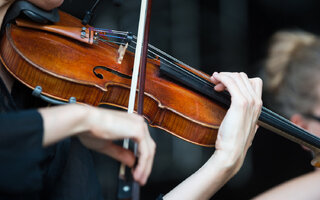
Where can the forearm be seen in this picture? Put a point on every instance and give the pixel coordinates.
(204, 183)
(63, 121)
(300, 188)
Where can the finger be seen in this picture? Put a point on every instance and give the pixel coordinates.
(254, 91)
(119, 153)
(152, 147)
(218, 85)
(248, 85)
(230, 84)
(121, 125)
(138, 172)
(248, 93)
(213, 79)
(257, 86)
(241, 80)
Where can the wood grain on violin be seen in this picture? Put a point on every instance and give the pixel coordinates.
(177, 98)
(66, 68)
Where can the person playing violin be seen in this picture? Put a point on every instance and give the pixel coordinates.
(44, 151)
(291, 73)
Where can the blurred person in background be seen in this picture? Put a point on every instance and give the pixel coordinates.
(292, 84)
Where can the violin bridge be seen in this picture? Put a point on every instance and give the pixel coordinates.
(121, 51)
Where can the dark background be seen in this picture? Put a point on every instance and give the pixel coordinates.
(225, 35)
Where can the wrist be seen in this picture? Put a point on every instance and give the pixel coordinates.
(83, 114)
(225, 161)
(63, 121)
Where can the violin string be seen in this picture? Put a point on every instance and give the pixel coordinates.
(100, 30)
(167, 60)
(112, 36)
(156, 52)
(134, 41)
(110, 31)
(171, 57)
(153, 56)
(177, 66)
(121, 43)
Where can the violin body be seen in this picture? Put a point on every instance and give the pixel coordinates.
(66, 68)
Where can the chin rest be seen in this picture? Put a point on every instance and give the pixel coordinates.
(30, 11)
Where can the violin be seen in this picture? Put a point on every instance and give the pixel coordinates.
(67, 60)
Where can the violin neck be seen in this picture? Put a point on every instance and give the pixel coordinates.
(267, 119)
(278, 124)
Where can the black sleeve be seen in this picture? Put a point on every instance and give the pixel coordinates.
(21, 151)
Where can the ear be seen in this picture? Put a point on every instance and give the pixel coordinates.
(299, 121)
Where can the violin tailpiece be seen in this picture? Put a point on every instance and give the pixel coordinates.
(76, 33)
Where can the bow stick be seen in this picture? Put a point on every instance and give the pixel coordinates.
(139, 59)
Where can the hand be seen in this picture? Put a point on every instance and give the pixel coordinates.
(96, 128)
(106, 125)
(238, 128)
(235, 135)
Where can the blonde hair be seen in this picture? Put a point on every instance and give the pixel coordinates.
(292, 72)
